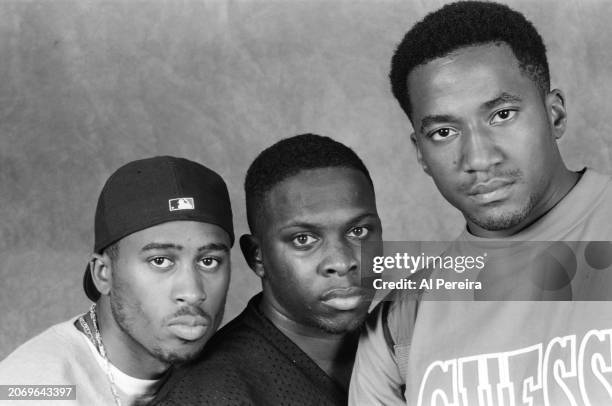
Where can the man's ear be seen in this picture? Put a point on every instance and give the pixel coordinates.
(555, 107)
(100, 266)
(415, 142)
(252, 253)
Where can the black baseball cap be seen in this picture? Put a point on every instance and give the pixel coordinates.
(152, 191)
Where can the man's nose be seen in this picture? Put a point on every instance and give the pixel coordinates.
(479, 151)
(188, 285)
(341, 257)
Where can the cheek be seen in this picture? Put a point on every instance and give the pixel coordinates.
(293, 277)
(441, 161)
(445, 175)
(125, 289)
(532, 154)
(216, 289)
(140, 297)
(277, 260)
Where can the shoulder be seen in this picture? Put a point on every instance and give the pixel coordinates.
(594, 185)
(238, 340)
(596, 191)
(603, 182)
(394, 318)
(244, 364)
(46, 357)
(209, 382)
(225, 373)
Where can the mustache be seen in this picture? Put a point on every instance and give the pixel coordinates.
(513, 175)
(190, 311)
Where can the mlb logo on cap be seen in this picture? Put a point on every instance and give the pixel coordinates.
(181, 203)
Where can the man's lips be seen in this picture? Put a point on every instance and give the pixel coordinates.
(491, 190)
(189, 328)
(344, 298)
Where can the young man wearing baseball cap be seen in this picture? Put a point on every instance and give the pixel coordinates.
(158, 278)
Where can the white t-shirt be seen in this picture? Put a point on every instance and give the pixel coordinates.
(501, 352)
(62, 355)
(130, 389)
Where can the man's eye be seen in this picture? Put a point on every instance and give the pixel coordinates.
(161, 262)
(358, 232)
(209, 262)
(443, 134)
(303, 240)
(503, 115)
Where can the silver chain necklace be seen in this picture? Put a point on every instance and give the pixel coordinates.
(97, 340)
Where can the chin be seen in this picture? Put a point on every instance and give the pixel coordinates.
(181, 354)
(497, 223)
(343, 324)
(496, 216)
(179, 357)
(504, 215)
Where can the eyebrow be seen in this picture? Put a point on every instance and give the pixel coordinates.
(363, 217)
(164, 246)
(304, 224)
(434, 119)
(503, 98)
(160, 246)
(213, 246)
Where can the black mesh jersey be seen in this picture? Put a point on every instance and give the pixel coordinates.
(250, 362)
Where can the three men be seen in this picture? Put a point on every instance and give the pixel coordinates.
(158, 276)
(473, 79)
(310, 207)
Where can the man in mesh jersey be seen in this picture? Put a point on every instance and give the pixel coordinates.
(310, 206)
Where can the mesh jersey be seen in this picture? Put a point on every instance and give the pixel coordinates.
(250, 362)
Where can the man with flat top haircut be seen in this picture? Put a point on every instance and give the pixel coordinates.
(473, 79)
(310, 207)
(158, 278)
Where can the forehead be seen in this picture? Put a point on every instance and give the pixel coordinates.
(180, 233)
(474, 72)
(316, 195)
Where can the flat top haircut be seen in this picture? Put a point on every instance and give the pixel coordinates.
(464, 24)
(287, 158)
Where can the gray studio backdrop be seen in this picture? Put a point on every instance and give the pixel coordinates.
(86, 86)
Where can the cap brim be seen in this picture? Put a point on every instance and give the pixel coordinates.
(90, 288)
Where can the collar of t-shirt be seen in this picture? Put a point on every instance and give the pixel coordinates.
(128, 385)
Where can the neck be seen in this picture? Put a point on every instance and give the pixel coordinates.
(559, 187)
(122, 350)
(333, 353)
